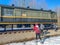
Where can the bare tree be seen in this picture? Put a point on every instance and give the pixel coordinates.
(43, 4)
(30, 3)
(58, 14)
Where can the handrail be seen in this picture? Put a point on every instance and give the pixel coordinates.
(26, 17)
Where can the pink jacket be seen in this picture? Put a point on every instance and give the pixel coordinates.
(36, 29)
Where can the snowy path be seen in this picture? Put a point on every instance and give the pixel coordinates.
(48, 41)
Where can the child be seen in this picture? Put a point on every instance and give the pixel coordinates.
(37, 31)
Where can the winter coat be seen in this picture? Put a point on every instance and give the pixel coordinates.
(41, 26)
(54, 26)
(36, 29)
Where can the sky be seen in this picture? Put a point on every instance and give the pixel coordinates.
(45, 4)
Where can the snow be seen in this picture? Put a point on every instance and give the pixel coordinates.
(47, 41)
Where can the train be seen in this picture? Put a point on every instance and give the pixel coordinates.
(14, 18)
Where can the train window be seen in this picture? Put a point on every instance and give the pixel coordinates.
(23, 25)
(19, 25)
(18, 12)
(47, 25)
(27, 25)
(7, 12)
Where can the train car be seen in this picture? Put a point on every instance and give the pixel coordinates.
(16, 18)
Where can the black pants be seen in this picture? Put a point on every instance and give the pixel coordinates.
(38, 36)
(42, 32)
(56, 29)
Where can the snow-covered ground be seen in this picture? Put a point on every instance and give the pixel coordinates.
(47, 41)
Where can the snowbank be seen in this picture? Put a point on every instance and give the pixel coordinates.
(47, 41)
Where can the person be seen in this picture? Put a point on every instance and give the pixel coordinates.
(41, 28)
(55, 27)
(37, 31)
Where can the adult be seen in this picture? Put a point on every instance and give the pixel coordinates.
(55, 27)
(41, 28)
